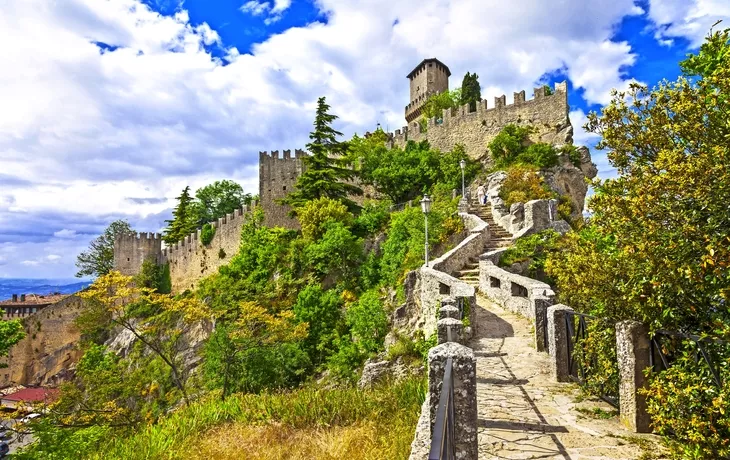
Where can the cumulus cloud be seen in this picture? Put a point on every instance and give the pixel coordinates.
(110, 108)
(273, 12)
(689, 19)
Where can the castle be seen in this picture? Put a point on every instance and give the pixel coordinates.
(190, 260)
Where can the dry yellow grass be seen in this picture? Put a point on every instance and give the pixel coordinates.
(362, 440)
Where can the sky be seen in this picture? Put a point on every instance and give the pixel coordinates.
(109, 108)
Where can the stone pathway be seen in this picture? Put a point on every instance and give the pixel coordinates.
(523, 414)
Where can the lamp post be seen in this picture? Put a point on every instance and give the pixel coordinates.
(462, 163)
(426, 208)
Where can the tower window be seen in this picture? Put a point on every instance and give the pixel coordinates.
(284, 187)
(127, 259)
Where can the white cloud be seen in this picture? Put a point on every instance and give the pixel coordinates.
(689, 19)
(53, 257)
(65, 233)
(578, 118)
(108, 104)
(273, 12)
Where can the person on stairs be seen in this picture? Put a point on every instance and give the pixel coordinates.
(480, 193)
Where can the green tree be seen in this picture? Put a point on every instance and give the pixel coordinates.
(326, 171)
(184, 219)
(437, 103)
(98, 260)
(657, 247)
(315, 214)
(471, 91)
(218, 199)
(11, 332)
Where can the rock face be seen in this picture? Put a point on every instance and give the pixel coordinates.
(376, 371)
(526, 218)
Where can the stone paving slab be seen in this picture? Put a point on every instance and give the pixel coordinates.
(525, 415)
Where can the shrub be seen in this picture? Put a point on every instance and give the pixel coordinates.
(523, 184)
(315, 215)
(541, 155)
(686, 404)
(509, 143)
(573, 154)
(207, 234)
(535, 248)
(368, 322)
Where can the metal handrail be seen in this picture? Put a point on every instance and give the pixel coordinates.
(443, 443)
(573, 336)
(664, 362)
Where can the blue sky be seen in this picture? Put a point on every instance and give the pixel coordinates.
(111, 107)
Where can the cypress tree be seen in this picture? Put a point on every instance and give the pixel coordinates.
(326, 171)
(184, 219)
(471, 91)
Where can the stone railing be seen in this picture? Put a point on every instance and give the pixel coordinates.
(633, 356)
(470, 247)
(451, 339)
(437, 286)
(519, 294)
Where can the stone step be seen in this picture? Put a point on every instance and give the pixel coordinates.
(468, 271)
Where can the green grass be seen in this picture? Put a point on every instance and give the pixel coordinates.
(306, 408)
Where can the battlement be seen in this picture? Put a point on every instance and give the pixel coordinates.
(191, 242)
(476, 125)
(274, 155)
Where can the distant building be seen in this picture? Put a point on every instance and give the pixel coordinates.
(27, 304)
(28, 397)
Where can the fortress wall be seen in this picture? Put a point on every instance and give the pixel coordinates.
(190, 260)
(44, 356)
(547, 114)
(277, 178)
(131, 250)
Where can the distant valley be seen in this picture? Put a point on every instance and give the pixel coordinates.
(10, 286)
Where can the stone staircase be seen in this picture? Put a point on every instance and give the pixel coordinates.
(500, 238)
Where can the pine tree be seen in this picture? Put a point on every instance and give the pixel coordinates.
(184, 219)
(471, 91)
(326, 170)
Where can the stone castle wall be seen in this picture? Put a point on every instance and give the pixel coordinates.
(190, 260)
(49, 348)
(131, 250)
(548, 114)
(277, 178)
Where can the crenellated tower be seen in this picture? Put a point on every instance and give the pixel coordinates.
(131, 250)
(277, 178)
(429, 77)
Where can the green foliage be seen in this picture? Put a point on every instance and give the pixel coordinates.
(206, 234)
(656, 249)
(98, 260)
(372, 219)
(322, 310)
(337, 254)
(548, 90)
(523, 184)
(686, 404)
(218, 199)
(534, 248)
(471, 91)
(154, 276)
(11, 332)
(368, 322)
(509, 142)
(316, 214)
(597, 357)
(405, 174)
(512, 145)
(184, 219)
(437, 103)
(326, 172)
(573, 154)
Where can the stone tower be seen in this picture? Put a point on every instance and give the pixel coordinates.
(429, 77)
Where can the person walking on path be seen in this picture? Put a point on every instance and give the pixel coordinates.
(480, 194)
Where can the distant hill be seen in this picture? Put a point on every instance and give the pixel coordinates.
(10, 286)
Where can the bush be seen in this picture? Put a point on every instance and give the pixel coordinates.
(368, 322)
(316, 214)
(509, 143)
(541, 155)
(534, 248)
(207, 234)
(573, 153)
(686, 404)
(523, 184)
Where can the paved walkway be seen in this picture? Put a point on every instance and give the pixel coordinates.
(523, 414)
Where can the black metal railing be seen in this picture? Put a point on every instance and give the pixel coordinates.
(666, 346)
(442, 442)
(577, 332)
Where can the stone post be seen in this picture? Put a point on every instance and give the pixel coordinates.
(455, 326)
(463, 205)
(557, 342)
(448, 311)
(632, 350)
(541, 305)
(464, 374)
